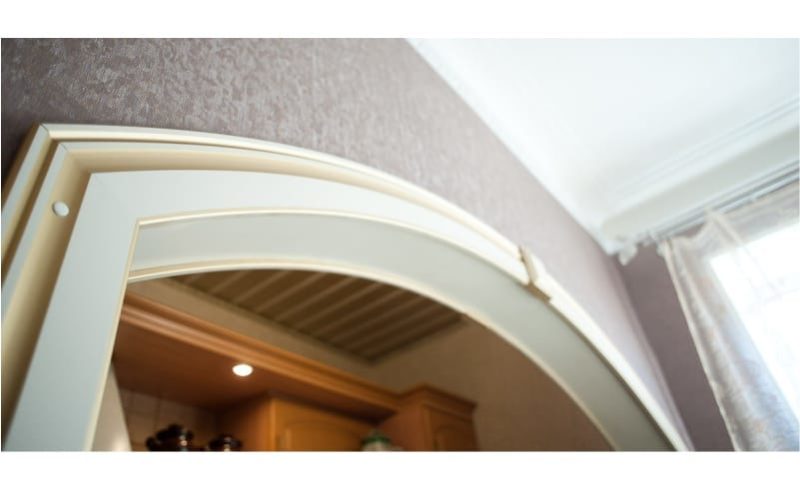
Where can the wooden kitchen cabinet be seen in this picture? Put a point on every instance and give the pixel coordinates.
(450, 432)
(427, 419)
(268, 423)
(432, 420)
(289, 402)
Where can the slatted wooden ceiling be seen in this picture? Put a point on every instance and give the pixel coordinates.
(364, 318)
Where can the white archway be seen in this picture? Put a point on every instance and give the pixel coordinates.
(146, 203)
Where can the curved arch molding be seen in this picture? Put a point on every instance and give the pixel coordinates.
(147, 203)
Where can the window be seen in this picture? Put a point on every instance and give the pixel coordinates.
(738, 280)
(762, 280)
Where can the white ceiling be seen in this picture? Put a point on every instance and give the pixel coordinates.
(611, 126)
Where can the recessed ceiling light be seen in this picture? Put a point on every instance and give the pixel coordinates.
(242, 370)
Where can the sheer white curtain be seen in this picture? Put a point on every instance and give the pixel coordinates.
(738, 280)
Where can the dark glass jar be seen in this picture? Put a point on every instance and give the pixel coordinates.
(175, 438)
(224, 443)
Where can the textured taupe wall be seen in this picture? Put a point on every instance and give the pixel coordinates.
(373, 101)
(519, 406)
(659, 310)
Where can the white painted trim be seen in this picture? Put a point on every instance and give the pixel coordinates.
(24, 177)
(463, 267)
(68, 132)
(701, 157)
(61, 397)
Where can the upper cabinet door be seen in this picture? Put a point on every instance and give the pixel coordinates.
(299, 427)
(450, 432)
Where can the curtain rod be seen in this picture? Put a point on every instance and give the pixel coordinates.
(733, 199)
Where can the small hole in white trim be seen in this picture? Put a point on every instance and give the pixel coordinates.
(61, 209)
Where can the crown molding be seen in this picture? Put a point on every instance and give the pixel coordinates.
(711, 152)
(735, 178)
(694, 176)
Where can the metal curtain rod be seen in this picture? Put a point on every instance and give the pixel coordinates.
(729, 201)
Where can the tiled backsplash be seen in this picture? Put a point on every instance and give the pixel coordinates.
(146, 414)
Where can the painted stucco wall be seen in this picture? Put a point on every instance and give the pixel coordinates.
(372, 101)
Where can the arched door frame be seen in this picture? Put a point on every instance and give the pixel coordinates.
(90, 208)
